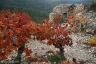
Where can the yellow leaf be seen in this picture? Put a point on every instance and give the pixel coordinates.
(83, 21)
(92, 41)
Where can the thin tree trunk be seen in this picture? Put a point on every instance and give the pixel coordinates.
(62, 52)
(61, 49)
(18, 58)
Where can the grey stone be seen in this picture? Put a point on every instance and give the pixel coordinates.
(65, 9)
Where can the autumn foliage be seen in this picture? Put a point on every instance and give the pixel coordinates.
(16, 28)
(14, 31)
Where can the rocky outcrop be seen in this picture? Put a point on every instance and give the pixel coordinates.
(90, 22)
(65, 9)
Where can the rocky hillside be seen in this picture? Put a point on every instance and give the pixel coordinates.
(79, 50)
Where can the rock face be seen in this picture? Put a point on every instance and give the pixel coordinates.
(62, 8)
(91, 22)
(66, 9)
(78, 50)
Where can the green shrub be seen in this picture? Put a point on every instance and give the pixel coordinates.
(55, 58)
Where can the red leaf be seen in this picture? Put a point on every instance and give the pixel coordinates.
(27, 54)
(65, 33)
(45, 60)
(50, 42)
(10, 33)
(27, 51)
(18, 30)
(4, 58)
(7, 53)
(30, 59)
(1, 23)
